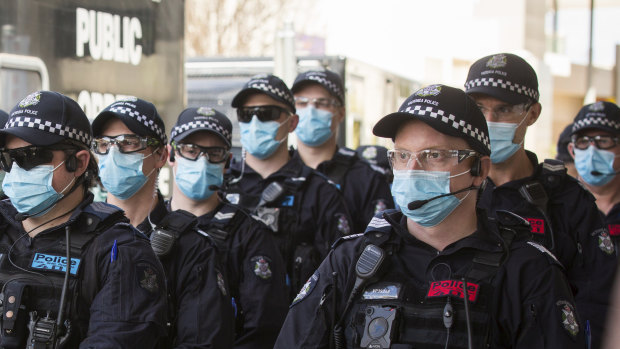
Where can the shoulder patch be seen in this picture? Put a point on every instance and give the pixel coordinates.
(149, 279)
(261, 267)
(568, 317)
(604, 241)
(221, 284)
(307, 288)
(343, 224)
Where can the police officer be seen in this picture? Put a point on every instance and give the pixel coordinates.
(594, 145)
(199, 152)
(130, 142)
(562, 152)
(562, 215)
(423, 276)
(305, 212)
(319, 100)
(111, 294)
(4, 117)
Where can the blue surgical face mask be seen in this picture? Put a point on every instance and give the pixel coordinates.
(598, 160)
(314, 126)
(31, 192)
(412, 185)
(121, 174)
(259, 138)
(501, 135)
(195, 177)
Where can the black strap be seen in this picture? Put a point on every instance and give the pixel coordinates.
(178, 222)
(340, 165)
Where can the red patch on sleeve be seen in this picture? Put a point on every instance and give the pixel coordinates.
(537, 225)
(452, 288)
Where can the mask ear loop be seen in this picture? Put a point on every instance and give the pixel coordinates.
(519, 124)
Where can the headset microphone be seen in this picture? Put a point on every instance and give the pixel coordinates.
(597, 173)
(414, 205)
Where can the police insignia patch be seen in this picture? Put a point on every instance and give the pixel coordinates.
(233, 198)
(497, 61)
(261, 267)
(567, 315)
(149, 280)
(343, 224)
(604, 242)
(307, 288)
(220, 282)
(31, 99)
(380, 206)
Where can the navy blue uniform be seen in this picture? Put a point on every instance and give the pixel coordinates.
(527, 303)
(200, 300)
(117, 285)
(306, 218)
(256, 273)
(366, 191)
(581, 241)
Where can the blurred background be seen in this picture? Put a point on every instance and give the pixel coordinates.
(200, 52)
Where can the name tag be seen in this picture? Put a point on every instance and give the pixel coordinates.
(452, 288)
(56, 263)
(382, 291)
(537, 225)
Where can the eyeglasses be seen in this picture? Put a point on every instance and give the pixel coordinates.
(428, 159)
(192, 152)
(263, 113)
(125, 143)
(30, 156)
(302, 102)
(506, 112)
(600, 141)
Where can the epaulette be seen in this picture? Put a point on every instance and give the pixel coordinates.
(546, 252)
(511, 219)
(553, 171)
(346, 238)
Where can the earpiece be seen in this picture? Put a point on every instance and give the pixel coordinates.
(71, 163)
(230, 156)
(171, 154)
(476, 167)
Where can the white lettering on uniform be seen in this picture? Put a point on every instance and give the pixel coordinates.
(109, 37)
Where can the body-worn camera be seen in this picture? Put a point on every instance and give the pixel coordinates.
(379, 327)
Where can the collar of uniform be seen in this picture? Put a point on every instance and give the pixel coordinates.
(204, 220)
(157, 214)
(481, 239)
(614, 214)
(8, 211)
(518, 182)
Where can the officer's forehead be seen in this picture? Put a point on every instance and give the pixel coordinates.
(416, 135)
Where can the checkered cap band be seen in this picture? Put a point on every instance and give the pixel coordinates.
(506, 85)
(450, 120)
(201, 124)
(51, 127)
(332, 87)
(595, 121)
(145, 120)
(286, 95)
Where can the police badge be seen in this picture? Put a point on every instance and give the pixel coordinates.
(261, 267)
(497, 61)
(31, 99)
(568, 317)
(604, 242)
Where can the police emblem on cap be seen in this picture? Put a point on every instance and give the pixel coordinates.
(380, 206)
(261, 267)
(307, 288)
(31, 99)
(497, 61)
(205, 111)
(569, 320)
(128, 99)
(220, 283)
(432, 90)
(598, 106)
(370, 153)
(604, 243)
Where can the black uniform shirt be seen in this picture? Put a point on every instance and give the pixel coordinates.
(582, 242)
(366, 191)
(256, 274)
(198, 288)
(531, 306)
(612, 219)
(319, 209)
(121, 299)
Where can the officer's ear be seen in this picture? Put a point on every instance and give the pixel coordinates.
(571, 149)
